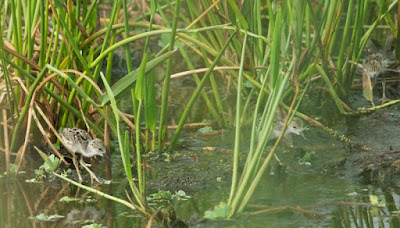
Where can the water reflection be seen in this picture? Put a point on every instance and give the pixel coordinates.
(22, 202)
(291, 202)
(299, 196)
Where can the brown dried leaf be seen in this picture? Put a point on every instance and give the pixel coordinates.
(367, 87)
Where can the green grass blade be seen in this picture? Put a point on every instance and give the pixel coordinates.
(164, 103)
(126, 82)
(197, 91)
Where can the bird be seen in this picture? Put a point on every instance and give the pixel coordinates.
(376, 63)
(79, 141)
(295, 127)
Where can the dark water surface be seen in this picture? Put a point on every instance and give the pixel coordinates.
(320, 193)
(305, 200)
(302, 196)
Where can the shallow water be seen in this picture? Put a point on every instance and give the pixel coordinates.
(300, 201)
(317, 194)
(302, 196)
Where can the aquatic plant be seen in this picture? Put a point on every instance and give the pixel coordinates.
(264, 54)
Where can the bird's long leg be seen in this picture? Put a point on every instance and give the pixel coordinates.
(92, 175)
(384, 99)
(77, 167)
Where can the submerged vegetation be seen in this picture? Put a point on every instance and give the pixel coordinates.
(57, 60)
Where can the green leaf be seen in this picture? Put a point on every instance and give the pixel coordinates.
(140, 84)
(13, 169)
(207, 129)
(111, 97)
(238, 15)
(127, 81)
(45, 218)
(220, 212)
(127, 157)
(69, 199)
(50, 163)
(306, 159)
(58, 3)
(373, 199)
(150, 104)
(181, 195)
(33, 180)
(153, 6)
(248, 84)
(93, 226)
(160, 196)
